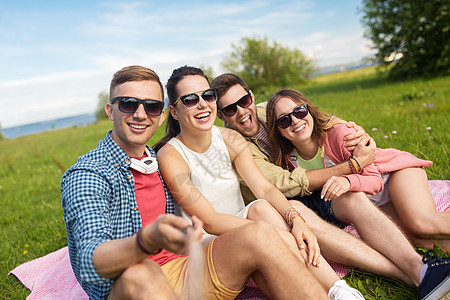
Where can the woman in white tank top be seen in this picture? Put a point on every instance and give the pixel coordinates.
(198, 162)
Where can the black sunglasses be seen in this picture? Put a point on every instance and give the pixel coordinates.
(191, 100)
(230, 110)
(130, 104)
(299, 112)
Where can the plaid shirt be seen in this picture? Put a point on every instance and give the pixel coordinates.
(99, 205)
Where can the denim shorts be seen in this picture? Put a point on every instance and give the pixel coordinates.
(322, 208)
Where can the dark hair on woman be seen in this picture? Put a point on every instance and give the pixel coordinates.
(172, 125)
(281, 145)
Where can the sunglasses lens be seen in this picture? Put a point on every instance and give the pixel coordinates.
(190, 100)
(154, 108)
(230, 110)
(245, 101)
(300, 112)
(210, 95)
(128, 105)
(284, 121)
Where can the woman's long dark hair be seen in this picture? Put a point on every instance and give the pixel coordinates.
(172, 125)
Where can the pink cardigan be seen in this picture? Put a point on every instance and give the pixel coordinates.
(369, 180)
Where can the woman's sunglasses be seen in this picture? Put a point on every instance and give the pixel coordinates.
(230, 110)
(299, 112)
(130, 104)
(191, 100)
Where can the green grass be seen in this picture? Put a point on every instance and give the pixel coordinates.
(31, 166)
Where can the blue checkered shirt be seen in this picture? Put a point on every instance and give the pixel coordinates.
(99, 205)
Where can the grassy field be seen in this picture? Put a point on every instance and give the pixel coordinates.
(31, 167)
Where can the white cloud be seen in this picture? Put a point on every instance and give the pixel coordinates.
(330, 49)
(162, 36)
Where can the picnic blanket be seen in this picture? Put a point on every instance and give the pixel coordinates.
(51, 276)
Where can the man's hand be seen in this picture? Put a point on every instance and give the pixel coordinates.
(354, 138)
(334, 187)
(169, 232)
(365, 152)
(303, 234)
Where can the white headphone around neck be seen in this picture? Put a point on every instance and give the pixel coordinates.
(147, 165)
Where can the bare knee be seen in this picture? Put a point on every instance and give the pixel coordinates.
(140, 281)
(260, 210)
(421, 226)
(354, 200)
(352, 205)
(260, 235)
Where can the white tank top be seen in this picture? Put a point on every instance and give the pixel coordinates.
(213, 174)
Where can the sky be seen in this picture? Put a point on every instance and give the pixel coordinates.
(56, 57)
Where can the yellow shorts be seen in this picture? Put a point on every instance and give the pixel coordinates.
(176, 272)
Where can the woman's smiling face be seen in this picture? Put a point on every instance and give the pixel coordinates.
(300, 130)
(203, 115)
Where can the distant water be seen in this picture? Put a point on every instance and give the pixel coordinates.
(80, 120)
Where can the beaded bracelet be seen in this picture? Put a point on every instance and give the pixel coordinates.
(141, 244)
(287, 212)
(291, 220)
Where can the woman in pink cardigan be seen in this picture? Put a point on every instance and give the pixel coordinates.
(396, 182)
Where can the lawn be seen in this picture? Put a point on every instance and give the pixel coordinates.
(408, 115)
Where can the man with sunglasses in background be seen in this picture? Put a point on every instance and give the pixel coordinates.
(118, 212)
(386, 250)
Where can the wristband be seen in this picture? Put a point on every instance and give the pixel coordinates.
(350, 166)
(287, 213)
(291, 219)
(359, 166)
(355, 164)
(141, 244)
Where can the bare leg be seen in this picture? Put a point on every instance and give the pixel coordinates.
(258, 247)
(340, 246)
(142, 281)
(262, 210)
(426, 243)
(415, 207)
(378, 231)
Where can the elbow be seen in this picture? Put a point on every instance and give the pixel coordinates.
(209, 225)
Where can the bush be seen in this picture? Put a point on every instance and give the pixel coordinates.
(261, 63)
(100, 113)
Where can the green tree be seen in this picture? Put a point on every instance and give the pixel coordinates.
(103, 98)
(1, 133)
(416, 32)
(208, 71)
(262, 63)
